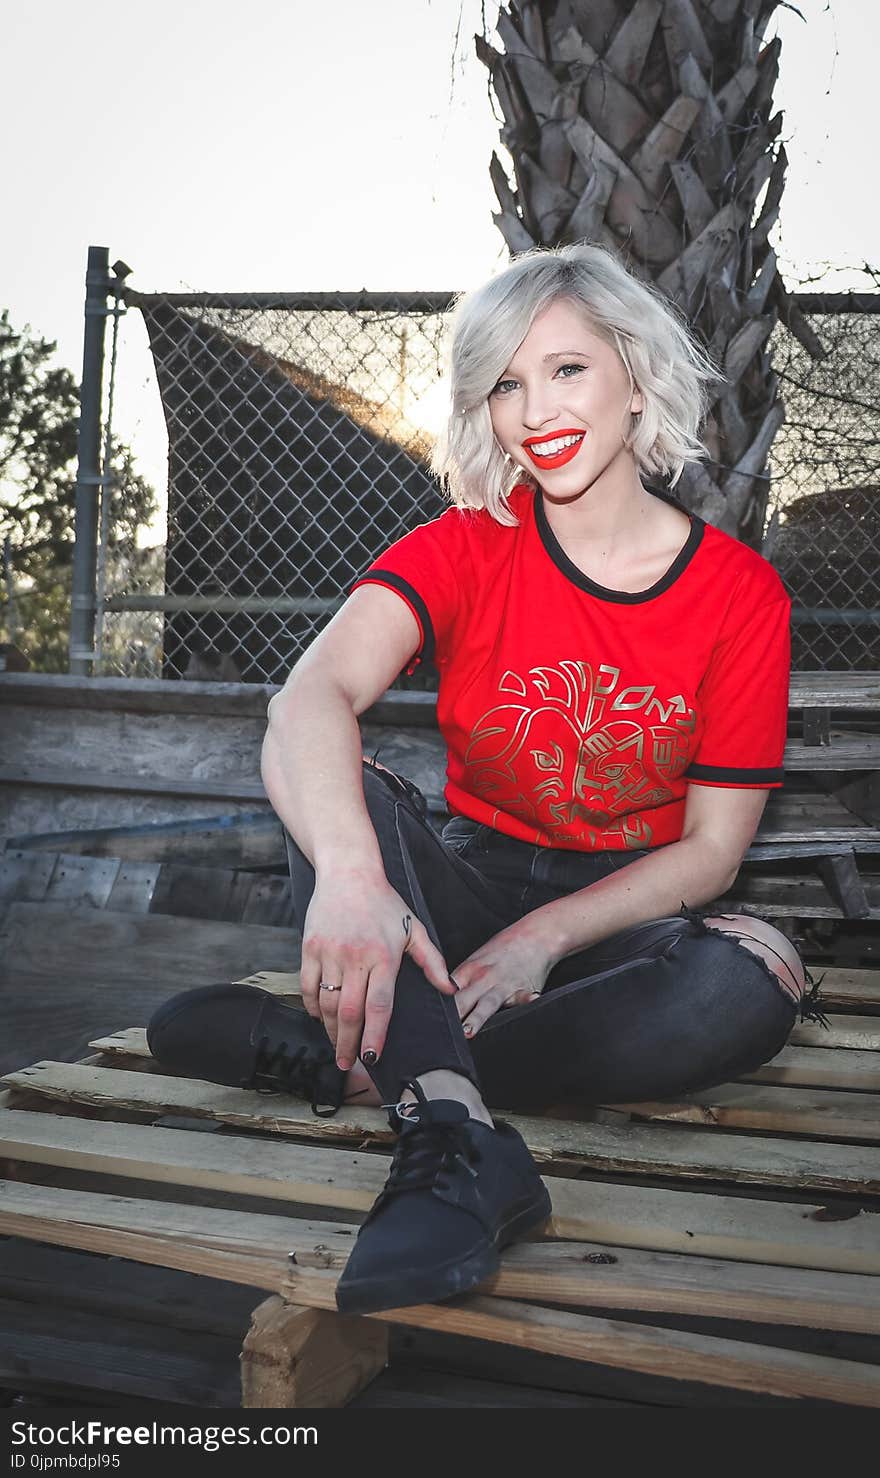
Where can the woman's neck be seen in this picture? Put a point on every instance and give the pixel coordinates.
(608, 517)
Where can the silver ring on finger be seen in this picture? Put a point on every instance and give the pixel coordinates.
(325, 986)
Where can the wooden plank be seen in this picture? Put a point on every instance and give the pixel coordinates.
(657, 1150)
(819, 833)
(789, 898)
(817, 726)
(547, 1140)
(257, 1249)
(82, 880)
(287, 983)
(578, 1274)
(778, 1110)
(844, 752)
(24, 876)
(202, 892)
(56, 1278)
(848, 987)
(583, 1275)
(270, 901)
(223, 894)
(699, 1358)
(252, 840)
(295, 1356)
(134, 887)
(184, 1235)
(856, 690)
(866, 846)
(840, 874)
(813, 1067)
(155, 1094)
(117, 948)
(859, 1032)
(118, 1356)
(131, 783)
(67, 972)
(315, 1175)
(136, 695)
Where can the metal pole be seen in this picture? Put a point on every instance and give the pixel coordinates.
(88, 475)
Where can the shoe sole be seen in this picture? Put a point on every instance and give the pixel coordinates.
(371, 1295)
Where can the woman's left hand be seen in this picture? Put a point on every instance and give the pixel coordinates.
(510, 969)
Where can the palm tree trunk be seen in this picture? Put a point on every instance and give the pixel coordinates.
(647, 127)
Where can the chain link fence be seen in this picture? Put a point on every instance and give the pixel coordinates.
(299, 429)
(823, 527)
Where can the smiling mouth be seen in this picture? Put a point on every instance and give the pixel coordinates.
(555, 451)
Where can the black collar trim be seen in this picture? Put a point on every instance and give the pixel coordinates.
(621, 597)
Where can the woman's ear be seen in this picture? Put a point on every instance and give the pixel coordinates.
(637, 404)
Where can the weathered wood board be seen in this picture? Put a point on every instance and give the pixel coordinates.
(64, 972)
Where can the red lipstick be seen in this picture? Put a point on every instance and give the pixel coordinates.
(533, 446)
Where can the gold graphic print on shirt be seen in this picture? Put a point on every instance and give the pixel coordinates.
(568, 752)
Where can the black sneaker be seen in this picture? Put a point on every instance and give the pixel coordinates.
(245, 1037)
(458, 1191)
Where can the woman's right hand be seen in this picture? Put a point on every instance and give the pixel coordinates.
(357, 929)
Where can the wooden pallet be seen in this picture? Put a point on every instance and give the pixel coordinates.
(728, 1243)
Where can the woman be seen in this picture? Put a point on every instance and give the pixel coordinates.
(613, 696)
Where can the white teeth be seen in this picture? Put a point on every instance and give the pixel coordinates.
(550, 448)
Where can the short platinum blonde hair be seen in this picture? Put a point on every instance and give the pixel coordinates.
(661, 358)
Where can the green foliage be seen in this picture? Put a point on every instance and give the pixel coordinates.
(39, 409)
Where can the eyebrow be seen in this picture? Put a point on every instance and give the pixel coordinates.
(558, 354)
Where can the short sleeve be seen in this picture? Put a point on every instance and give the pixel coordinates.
(743, 700)
(421, 567)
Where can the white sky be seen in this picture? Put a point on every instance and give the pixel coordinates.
(284, 145)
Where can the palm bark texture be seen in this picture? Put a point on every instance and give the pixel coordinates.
(648, 127)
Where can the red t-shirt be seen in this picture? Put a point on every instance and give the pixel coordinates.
(576, 716)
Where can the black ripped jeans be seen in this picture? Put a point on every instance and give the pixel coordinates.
(657, 1010)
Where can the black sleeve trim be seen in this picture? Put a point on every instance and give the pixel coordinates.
(724, 776)
(403, 587)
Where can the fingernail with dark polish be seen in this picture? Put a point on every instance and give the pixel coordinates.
(368, 1058)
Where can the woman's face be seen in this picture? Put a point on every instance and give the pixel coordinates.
(561, 409)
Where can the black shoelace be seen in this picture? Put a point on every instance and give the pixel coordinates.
(296, 1071)
(423, 1156)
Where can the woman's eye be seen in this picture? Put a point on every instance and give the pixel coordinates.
(504, 386)
(564, 368)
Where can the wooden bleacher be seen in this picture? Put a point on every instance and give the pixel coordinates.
(722, 1249)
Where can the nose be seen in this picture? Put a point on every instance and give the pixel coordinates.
(539, 405)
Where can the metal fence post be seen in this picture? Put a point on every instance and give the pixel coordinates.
(88, 475)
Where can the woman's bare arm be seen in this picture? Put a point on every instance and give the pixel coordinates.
(357, 927)
(312, 751)
(311, 766)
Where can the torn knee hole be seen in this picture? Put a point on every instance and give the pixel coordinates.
(791, 976)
